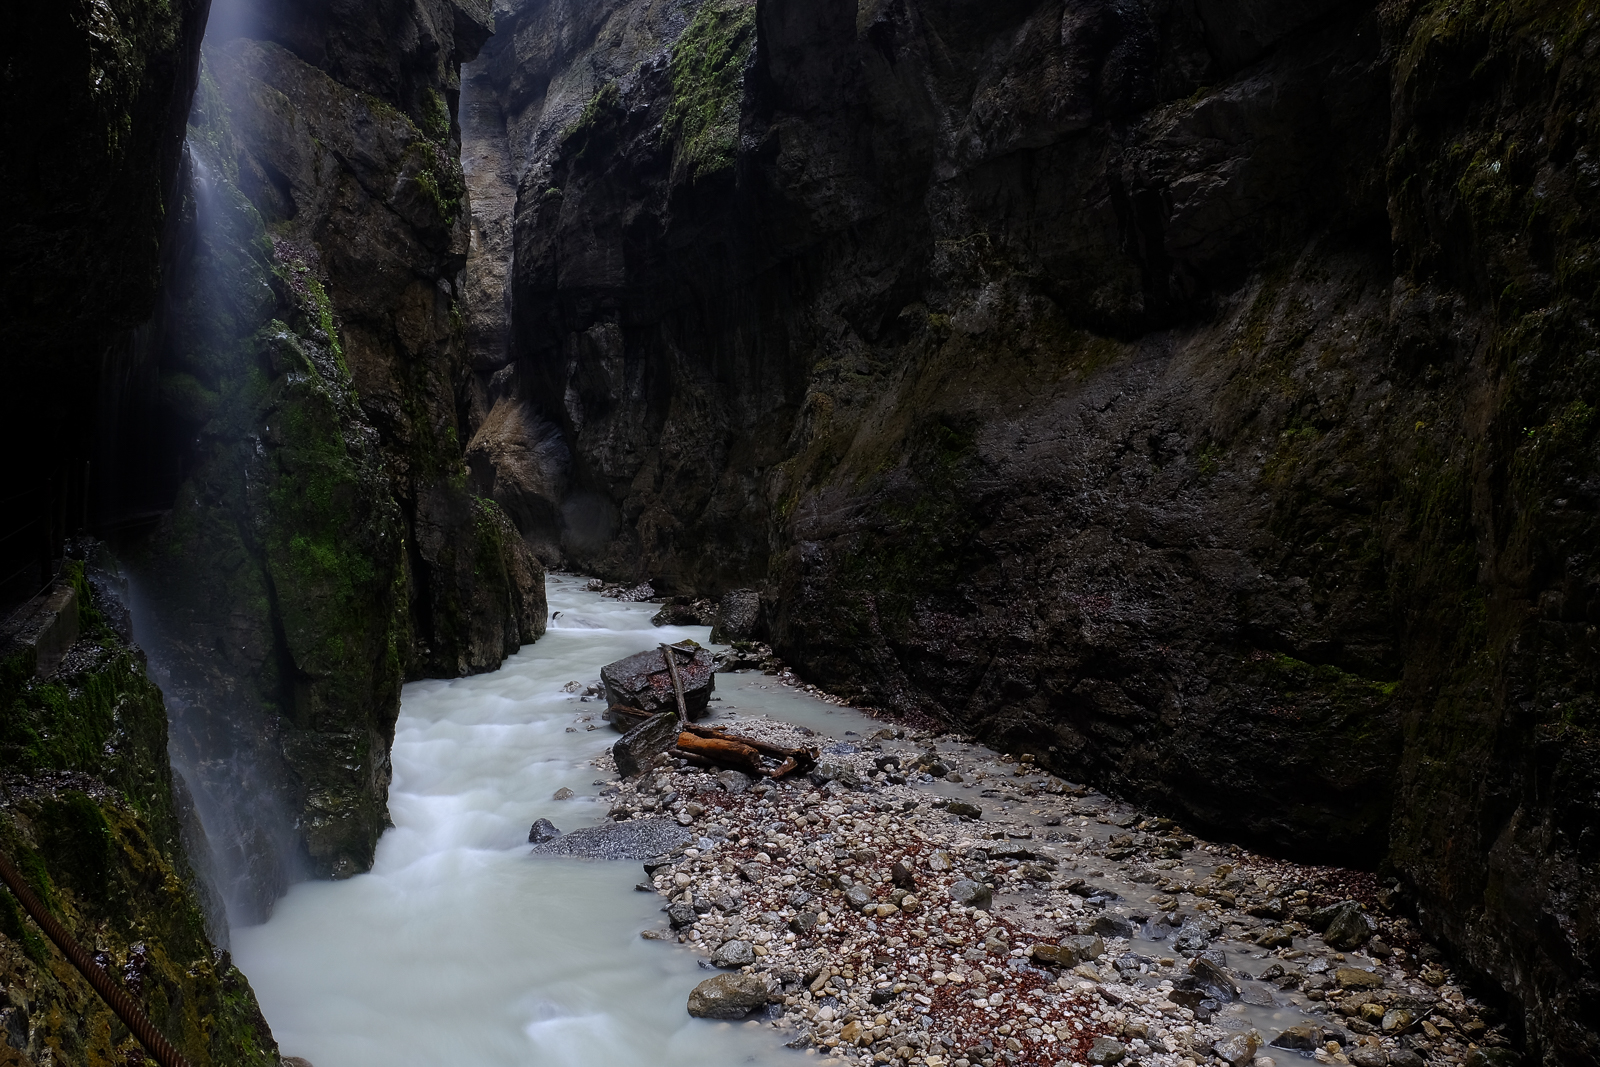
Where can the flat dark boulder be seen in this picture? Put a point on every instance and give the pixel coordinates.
(636, 839)
(639, 746)
(642, 681)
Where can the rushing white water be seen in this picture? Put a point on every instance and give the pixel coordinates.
(461, 949)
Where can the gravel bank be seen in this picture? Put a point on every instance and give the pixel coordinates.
(922, 900)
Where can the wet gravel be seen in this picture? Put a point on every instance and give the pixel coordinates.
(923, 900)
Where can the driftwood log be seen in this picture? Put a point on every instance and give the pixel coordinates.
(709, 746)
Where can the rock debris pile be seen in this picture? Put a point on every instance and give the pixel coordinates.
(875, 913)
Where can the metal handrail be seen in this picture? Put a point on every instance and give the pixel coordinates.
(126, 1007)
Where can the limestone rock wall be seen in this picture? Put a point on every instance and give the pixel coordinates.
(1197, 395)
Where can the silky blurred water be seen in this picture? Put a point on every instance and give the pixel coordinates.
(459, 948)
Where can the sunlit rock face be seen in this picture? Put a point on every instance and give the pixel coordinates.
(1197, 395)
(324, 541)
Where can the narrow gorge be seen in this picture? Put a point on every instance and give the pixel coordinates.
(1194, 399)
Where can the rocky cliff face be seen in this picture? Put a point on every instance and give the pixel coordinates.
(95, 821)
(97, 95)
(324, 542)
(1195, 394)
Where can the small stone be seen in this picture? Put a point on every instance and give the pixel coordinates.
(1405, 1057)
(735, 953)
(681, 915)
(728, 996)
(1369, 1056)
(859, 896)
(541, 831)
(1306, 1037)
(1238, 1049)
(1396, 1019)
(1106, 1051)
(563, 794)
(734, 781)
(1113, 926)
(803, 923)
(1345, 926)
(901, 876)
(967, 893)
(1356, 978)
(940, 861)
(963, 809)
(1274, 937)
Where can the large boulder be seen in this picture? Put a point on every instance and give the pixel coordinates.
(728, 996)
(636, 748)
(642, 680)
(738, 614)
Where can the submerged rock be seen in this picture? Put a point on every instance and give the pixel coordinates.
(541, 831)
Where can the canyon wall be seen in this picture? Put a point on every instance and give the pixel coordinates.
(323, 543)
(234, 324)
(91, 159)
(1196, 394)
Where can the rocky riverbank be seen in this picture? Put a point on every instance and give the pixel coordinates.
(922, 899)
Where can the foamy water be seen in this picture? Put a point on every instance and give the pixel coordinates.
(459, 948)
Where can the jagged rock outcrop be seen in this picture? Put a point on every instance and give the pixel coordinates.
(91, 147)
(1193, 394)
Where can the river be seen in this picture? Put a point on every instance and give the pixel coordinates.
(458, 947)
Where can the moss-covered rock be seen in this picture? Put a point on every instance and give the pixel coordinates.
(92, 821)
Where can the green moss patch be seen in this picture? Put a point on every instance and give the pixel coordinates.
(707, 75)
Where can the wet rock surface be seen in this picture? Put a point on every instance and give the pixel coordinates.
(643, 681)
(639, 839)
(640, 745)
(320, 541)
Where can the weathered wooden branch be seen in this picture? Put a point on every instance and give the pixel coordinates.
(724, 753)
(677, 683)
(742, 753)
